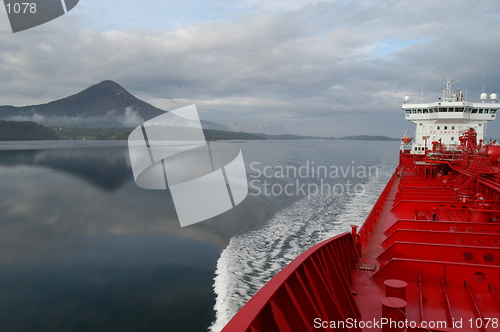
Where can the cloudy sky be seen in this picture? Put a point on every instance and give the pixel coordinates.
(330, 68)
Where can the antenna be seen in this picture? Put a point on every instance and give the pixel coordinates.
(466, 86)
(422, 95)
(484, 75)
(447, 91)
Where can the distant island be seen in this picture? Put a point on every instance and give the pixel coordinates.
(27, 131)
(285, 136)
(367, 138)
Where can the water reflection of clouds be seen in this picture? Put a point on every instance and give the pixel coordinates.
(82, 247)
(47, 209)
(53, 198)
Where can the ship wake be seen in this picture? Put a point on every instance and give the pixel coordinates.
(252, 258)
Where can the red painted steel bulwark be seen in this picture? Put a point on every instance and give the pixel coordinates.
(313, 289)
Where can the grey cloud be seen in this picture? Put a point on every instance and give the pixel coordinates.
(317, 67)
(130, 118)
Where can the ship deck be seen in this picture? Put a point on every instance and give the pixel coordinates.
(426, 238)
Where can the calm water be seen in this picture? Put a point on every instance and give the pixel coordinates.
(82, 248)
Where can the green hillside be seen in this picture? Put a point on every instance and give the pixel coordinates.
(25, 131)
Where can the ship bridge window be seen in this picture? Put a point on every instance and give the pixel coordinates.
(459, 109)
(486, 111)
(419, 111)
(493, 111)
(481, 111)
(426, 111)
(474, 110)
(445, 127)
(408, 111)
(414, 111)
(442, 109)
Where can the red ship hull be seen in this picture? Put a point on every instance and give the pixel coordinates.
(426, 258)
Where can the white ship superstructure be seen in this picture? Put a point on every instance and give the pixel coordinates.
(444, 120)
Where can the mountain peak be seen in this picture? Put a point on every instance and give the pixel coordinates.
(108, 84)
(102, 102)
(108, 87)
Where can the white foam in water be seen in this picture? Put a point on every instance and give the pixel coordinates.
(254, 257)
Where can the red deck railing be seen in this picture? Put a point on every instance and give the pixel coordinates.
(369, 224)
